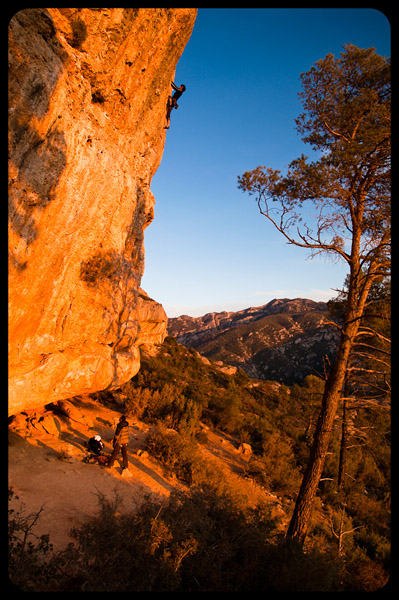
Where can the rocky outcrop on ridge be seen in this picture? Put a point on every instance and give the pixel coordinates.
(284, 340)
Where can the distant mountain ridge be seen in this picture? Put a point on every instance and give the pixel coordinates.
(284, 340)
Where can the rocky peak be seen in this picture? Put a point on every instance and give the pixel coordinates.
(87, 95)
(284, 340)
(296, 305)
(217, 321)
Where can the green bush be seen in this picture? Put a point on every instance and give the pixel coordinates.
(226, 409)
(167, 405)
(362, 574)
(176, 454)
(180, 455)
(203, 540)
(119, 553)
(275, 469)
(137, 400)
(79, 33)
(199, 541)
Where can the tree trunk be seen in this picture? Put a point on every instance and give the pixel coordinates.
(300, 519)
(342, 453)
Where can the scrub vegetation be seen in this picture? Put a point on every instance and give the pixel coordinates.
(205, 537)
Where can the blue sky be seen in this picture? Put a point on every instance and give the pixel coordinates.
(208, 248)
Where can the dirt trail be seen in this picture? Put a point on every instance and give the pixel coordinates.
(46, 468)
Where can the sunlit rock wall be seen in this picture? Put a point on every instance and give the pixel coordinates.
(87, 95)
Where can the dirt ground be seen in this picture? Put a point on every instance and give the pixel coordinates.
(47, 468)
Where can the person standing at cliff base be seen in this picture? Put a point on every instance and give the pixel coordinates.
(172, 101)
(120, 442)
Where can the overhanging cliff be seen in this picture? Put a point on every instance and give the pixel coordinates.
(87, 95)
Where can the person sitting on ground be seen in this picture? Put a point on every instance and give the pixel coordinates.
(120, 442)
(172, 101)
(95, 444)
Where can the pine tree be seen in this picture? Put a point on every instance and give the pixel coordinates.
(346, 120)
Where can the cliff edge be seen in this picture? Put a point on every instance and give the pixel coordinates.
(87, 99)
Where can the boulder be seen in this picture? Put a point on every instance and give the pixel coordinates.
(245, 449)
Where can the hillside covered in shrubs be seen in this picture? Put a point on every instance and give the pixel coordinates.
(205, 537)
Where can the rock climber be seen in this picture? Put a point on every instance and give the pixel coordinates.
(120, 442)
(172, 101)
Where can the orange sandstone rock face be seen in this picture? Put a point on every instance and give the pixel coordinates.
(88, 90)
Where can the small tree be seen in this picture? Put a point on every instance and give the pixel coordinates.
(367, 382)
(346, 120)
(29, 562)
